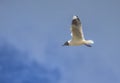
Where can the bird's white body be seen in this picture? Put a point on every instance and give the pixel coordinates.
(79, 42)
(75, 43)
(77, 34)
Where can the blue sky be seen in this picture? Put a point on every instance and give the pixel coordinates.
(32, 32)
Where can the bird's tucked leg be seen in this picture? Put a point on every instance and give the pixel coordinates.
(88, 45)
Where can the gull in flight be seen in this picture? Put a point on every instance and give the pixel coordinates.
(77, 34)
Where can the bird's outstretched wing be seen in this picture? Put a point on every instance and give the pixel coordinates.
(76, 29)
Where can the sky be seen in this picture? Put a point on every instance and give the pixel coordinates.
(32, 33)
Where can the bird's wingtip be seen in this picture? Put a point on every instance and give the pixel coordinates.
(74, 17)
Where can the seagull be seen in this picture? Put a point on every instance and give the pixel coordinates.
(77, 34)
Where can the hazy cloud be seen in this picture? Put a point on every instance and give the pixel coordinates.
(15, 67)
